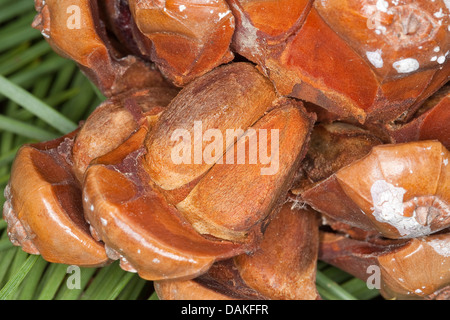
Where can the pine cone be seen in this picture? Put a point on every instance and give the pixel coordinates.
(222, 119)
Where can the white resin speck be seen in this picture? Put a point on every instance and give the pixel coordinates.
(406, 65)
(375, 58)
(388, 208)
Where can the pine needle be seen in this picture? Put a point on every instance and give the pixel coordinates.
(332, 287)
(13, 284)
(36, 106)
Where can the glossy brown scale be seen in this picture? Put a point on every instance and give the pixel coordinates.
(43, 208)
(188, 39)
(52, 219)
(134, 220)
(114, 120)
(354, 95)
(430, 122)
(412, 269)
(402, 194)
(138, 212)
(111, 72)
(282, 268)
(368, 63)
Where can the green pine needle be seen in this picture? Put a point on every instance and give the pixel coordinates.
(5, 244)
(14, 282)
(332, 287)
(36, 106)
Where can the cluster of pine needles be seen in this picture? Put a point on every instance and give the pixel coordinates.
(43, 96)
